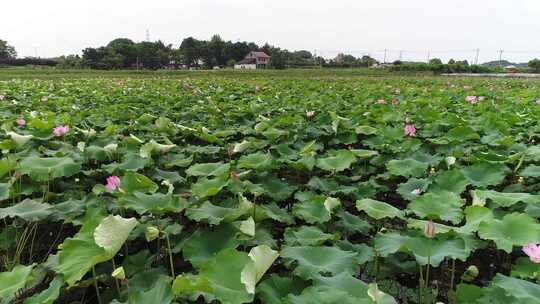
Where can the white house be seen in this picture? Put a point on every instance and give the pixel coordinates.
(252, 61)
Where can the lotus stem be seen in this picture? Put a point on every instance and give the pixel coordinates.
(95, 284)
(115, 279)
(453, 275)
(170, 254)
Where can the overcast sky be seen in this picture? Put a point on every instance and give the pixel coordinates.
(451, 28)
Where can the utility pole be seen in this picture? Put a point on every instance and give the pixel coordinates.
(148, 35)
(400, 55)
(428, 55)
(476, 57)
(384, 60)
(500, 57)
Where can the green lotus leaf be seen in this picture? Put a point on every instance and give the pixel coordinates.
(257, 161)
(159, 291)
(28, 210)
(97, 153)
(423, 248)
(450, 181)
(152, 146)
(177, 160)
(274, 289)
(247, 227)
(113, 232)
(444, 205)
(276, 188)
(18, 139)
(485, 174)
(467, 293)
(214, 215)
(313, 261)
(241, 146)
(306, 236)
(98, 240)
(360, 153)
(462, 134)
(342, 160)
(365, 130)
(190, 284)
(524, 268)
(44, 169)
(413, 188)
(80, 253)
(203, 244)
(531, 171)
(514, 229)
(49, 295)
(520, 290)
(7, 165)
(224, 272)
(273, 211)
(502, 199)
(311, 208)
(351, 224)
(378, 210)
(208, 169)
(14, 280)
(475, 215)
(262, 257)
(4, 191)
(205, 187)
(156, 203)
(133, 182)
(532, 153)
(323, 295)
(407, 167)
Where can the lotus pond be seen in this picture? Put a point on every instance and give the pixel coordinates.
(269, 190)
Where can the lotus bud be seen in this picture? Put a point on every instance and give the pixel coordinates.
(429, 230)
(450, 160)
(151, 233)
(520, 179)
(470, 274)
(119, 273)
(432, 171)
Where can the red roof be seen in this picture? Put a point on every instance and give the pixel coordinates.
(260, 54)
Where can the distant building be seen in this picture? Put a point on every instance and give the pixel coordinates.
(252, 61)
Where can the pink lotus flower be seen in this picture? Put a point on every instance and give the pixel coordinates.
(410, 130)
(538, 102)
(310, 114)
(61, 130)
(20, 122)
(113, 183)
(2, 97)
(533, 251)
(472, 99)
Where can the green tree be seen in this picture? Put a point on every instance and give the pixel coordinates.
(435, 61)
(7, 51)
(535, 64)
(216, 49)
(125, 48)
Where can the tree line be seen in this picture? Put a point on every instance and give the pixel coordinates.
(124, 53)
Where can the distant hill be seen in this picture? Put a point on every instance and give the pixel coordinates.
(504, 63)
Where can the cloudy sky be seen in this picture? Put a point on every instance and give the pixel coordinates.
(452, 28)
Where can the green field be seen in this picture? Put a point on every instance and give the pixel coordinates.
(295, 186)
